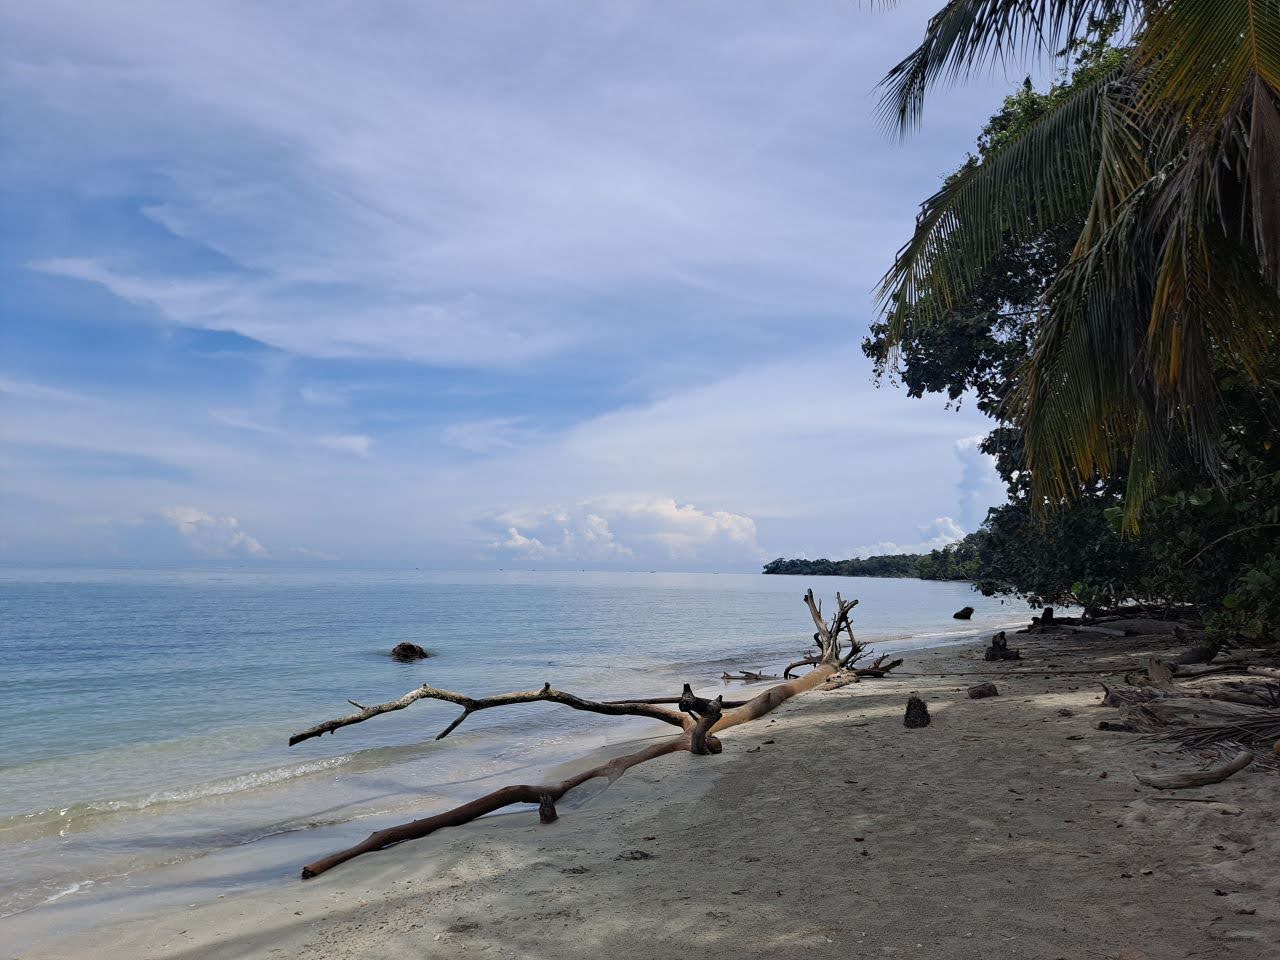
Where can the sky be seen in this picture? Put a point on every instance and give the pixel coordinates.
(494, 285)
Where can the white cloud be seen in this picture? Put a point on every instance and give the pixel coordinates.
(216, 535)
(630, 528)
(934, 535)
(979, 486)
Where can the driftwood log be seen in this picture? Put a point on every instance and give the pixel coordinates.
(698, 719)
(1199, 778)
(748, 676)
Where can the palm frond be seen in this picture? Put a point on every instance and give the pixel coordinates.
(1046, 175)
(967, 35)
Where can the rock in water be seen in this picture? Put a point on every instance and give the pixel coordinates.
(917, 713)
(981, 690)
(408, 652)
(964, 613)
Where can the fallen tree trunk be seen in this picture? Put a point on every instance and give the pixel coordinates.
(698, 718)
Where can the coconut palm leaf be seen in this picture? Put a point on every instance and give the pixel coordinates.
(968, 35)
(1172, 162)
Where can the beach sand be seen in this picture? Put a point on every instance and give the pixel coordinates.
(1009, 828)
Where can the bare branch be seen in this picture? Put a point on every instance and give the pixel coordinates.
(472, 705)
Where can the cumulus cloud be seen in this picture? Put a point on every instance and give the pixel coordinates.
(216, 535)
(639, 528)
(979, 485)
(934, 535)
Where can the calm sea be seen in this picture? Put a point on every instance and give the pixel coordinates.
(145, 715)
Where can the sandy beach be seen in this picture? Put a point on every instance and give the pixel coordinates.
(1011, 827)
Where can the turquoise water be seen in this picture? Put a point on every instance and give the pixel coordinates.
(145, 715)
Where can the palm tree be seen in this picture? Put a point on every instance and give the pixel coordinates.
(1169, 155)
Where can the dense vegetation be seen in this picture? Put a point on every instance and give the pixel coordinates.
(956, 562)
(1134, 390)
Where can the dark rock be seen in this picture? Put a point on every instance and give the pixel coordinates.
(408, 652)
(964, 613)
(917, 713)
(981, 690)
(1114, 727)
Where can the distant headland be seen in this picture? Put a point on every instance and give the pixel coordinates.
(956, 562)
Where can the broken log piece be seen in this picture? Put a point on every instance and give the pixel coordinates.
(547, 809)
(880, 668)
(1199, 778)
(980, 691)
(917, 714)
(407, 652)
(964, 613)
(999, 649)
(1105, 631)
(750, 676)
(706, 713)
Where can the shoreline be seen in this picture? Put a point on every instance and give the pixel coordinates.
(1003, 797)
(216, 869)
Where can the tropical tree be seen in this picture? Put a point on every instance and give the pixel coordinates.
(1165, 165)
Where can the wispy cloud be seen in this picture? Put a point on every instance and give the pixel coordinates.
(477, 258)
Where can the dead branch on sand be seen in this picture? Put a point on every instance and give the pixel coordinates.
(698, 718)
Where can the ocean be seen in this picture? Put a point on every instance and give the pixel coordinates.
(145, 715)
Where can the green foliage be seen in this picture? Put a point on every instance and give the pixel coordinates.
(1160, 159)
(959, 561)
(1206, 534)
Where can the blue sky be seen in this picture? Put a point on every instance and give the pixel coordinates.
(464, 285)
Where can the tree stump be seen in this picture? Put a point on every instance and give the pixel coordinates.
(917, 713)
(999, 649)
(980, 691)
(964, 613)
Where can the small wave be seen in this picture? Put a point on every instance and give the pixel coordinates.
(65, 817)
(67, 891)
(217, 788)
